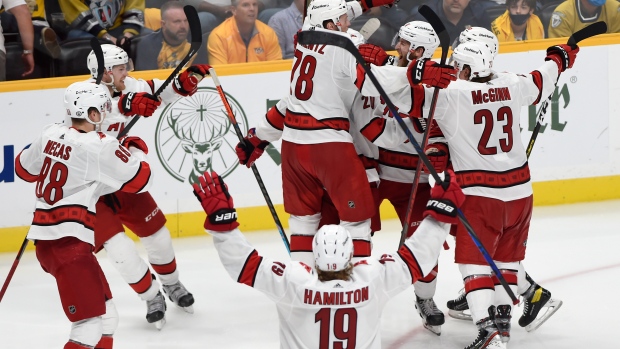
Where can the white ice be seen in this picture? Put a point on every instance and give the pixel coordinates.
(572, 251)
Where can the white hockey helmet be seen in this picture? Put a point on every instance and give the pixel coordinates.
(81, 96)
(320, 11)
(480, 34)
(112, 56)
(333, 248)
(476, 55)
(418, 34)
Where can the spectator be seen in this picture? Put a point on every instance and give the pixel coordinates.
(456, 15)
(165, 48)
(45, 39)
(572, 15)
(110, 20)
(21, 12)
(242, 38)
(152, 18)
(518, 22)
(286, 23)
(213, 12)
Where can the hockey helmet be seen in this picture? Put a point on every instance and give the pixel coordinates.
(476, 55)
(418, 34)
(333, 248)
(479, 34)
(81, 96)
(112, 56)
(320, 11)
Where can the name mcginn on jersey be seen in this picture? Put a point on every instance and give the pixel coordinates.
(336, 298)
(494, 94)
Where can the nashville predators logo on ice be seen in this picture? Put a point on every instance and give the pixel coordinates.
(194, 135)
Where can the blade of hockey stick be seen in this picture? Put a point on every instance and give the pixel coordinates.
(196, 33)
(444, 41)
(369, 28)
(587, 32)
(261, 184)
(323, 37)
(96, 46)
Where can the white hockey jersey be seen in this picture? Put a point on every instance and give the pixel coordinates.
(72, 169)
(481, 124)
(333, 314)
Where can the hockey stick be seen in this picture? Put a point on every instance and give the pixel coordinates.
(369, 28)
(196, 33)
(96, 46)
(324, 37)
(13, 267)
(261, 184)
(444, 42)
(587, 32)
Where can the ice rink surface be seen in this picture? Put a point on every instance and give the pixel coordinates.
(572, 251)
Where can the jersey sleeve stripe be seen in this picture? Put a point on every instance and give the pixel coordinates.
(373, 129)
(414, 267)
(250, 269)
(64, 214)
(361, 77)
(22, 173)
(275, 118)
(538, 81)
(301, 243)
(418, 96)
(143, 284)
(151, 84)
(139, 180)
(165, 269)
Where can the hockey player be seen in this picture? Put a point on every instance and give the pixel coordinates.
(479, 117)
(352, 295)
(72, 167)
(139, 212)
(317, 150)
(534, 296)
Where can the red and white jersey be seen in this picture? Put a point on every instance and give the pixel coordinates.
(338, 313)
(72, 170)
(324, 82)
(481, 125)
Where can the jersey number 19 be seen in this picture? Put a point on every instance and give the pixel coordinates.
(345, 327)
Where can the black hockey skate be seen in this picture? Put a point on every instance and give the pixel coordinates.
(458, 306)
(502, 320)
(535, 299)
(433, 317)
(179, 295)
(156, 311)
(488, 334)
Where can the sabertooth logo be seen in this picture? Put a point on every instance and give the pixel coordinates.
(194, 135)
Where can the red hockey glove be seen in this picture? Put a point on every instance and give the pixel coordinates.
(134, 141)
(563, 55)
(368, 4)
(250, 149)
(430, 73)
(438, 155)
(373, 54)
(186, 83)
(216, 202)
(445, 200)
(138, 103)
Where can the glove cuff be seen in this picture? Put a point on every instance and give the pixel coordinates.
(416, 71)
(224, 219)
(442, 210)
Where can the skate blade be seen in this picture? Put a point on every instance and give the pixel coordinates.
(552, 306)
(160, 324)
(459, 315)
(435, 329)
(189, 309)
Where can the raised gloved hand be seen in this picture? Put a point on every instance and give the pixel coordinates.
(250, 149)
(134, 141)
(186, 83)
(430, 73)
(438, 154)
(216, 202)
(368, 4)
(563, 55)
(138, 103)
(445, 200)
(373, 54)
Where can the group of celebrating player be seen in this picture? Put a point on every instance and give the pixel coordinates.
(342, 155)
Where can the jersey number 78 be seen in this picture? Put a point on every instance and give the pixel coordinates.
(307, 67)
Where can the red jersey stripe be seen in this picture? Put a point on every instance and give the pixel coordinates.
(478, 282)
(164, 269)
(138, 181)
(373, 129)
(361, 248)
(21, 172)
(250, 269)
(301, 243)
(144, 284)
(275, 118)
(65, 214)
(361, 77)
(538, 81)
(414, 267)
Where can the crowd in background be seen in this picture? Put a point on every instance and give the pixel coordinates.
(45, 38)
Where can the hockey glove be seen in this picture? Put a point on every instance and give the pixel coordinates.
(186, 83)
(438, 155)
(216, 202)
(373, 54)
(445, 200)
(368, 4)
(430, 73)
(134, 141)
(138, 103)
(250, 149)
(563, 55)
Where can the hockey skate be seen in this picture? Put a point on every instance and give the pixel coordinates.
(458, 306)
(535, 299)
(156, 311)
(179, 295)
(488, 334)
(502, 321)
(431, 316)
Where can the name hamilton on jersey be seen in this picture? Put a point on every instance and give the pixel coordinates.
(336, 298)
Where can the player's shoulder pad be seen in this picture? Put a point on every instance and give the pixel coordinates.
(300, 272)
